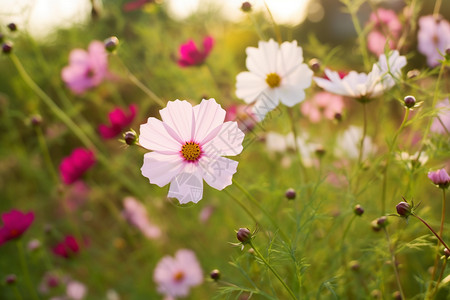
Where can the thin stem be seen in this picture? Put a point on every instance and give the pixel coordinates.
(276, 28)
(441, 274)
(361, 38)
(394, 263)
(344, 235)
(46, 153)
(437, 7)
(239, 202)
(361, 145)
(25, 271)
(255, 202)
(296, 145)
(432, 230)
(273, 271)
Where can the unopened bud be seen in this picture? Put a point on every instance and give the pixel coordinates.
(397, 295)
(10, 279)
(244, 235)
(338, 117)
(413, 73)
(409, 101)
(7, 47)
(446, 252)
(36, 120)
(382, 222)
(111, 44)
(246, 6)
(403, 209)
(12, 26)
(314, 64)
(320, 152)
(215, 274)
(354, 265)
(358, 210)
(130, 137)
(290, 194)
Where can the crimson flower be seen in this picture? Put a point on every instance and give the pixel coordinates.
(15, 223)
(191, 55)
(76, 164)
(119, 121)
(67, 247)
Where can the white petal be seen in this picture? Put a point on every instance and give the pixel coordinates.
(208, 116)
(262, 60)
(218, 171)
(228, 141)
(249, 86)
(289, 58)
(154, 136)
(291, 95)
(178, 115)
(266, 102)
(300, 77)
(160, 168)
(187, 187)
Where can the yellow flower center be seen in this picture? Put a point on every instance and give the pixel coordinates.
(179, 276)
(273, 80)
(191, 151)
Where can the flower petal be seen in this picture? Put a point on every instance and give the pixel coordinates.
(262, 60)
(187, 187)
(228, 141)
(249, 86)
(155, 136)
(208, 116)
(218, 171)
(178, 115)
(291, 95)
(266, 102)
(160, 168)
(290, 56)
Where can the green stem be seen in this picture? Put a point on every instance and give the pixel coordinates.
(239, 202)
(46, 153)
(394, 263)
(273, 271)
(297, 147)
(24, 266)
(432, 230)
(361, 38)
(276, 28)
(347, 230)
(255, 202)
(441, 274)
(361, 145)
(437, 7)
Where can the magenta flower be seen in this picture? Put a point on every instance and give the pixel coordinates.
(433, 38)
(135, 5)
(68, 247)
(192, 56)
(119, 121)
(86, 69)
(440, 178)
(76, 164)
(15, 223)
(175, 276)
(387, 26)
(322, 104)
(444, 117)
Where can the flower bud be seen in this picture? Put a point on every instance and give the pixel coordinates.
(375, 226)
(244, 235)
(7, 47)
(440, 178)
(215, 274)
(130, 137)
(246, 6)
(314, 64)
(111, 44)
(320, 152)
(36, 120)
(358, 210)
(382, 221)
(338, 117)
(397, 295)
(12, 26)
(290, 194)
(413, 73)
(446, 252)
(354, 265)
(10, 279)
(409, 101)
(33, 245)
(403, 209)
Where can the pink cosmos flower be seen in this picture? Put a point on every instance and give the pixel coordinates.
(386, 26)
(175, 276)
(15, 223)
(243, 115)
(191, 55)
(76, 164)
(76, 195)
(322, 103)
(433, 38)
(119, 121)
(68, 247)
(440, 178)
(444, 117)
(136, 214)
(187, 147)
(135, 5)
(86, 69)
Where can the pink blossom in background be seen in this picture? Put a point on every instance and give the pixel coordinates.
(440, 178)
(76, 164)
(15, 223)
(433, 37)
(444, 117)
(86, 69)
(206, 213)
(387, 26)
(76, 290)
(67, 248)
(135, 5)
(76, 195)
(243, 115)
(322, 104)
(174, 276)
(136, 214)
(190, 55)
(119, 120)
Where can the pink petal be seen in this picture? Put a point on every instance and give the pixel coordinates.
(160, 169)
(208, 116)
(154, 136)
(227, 142)
(218, 171)
(187, 187)
(178, 115)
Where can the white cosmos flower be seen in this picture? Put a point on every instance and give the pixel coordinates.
(349, 141)
(175, 276)
(362, 85)
(276, 73)
(187, 147)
